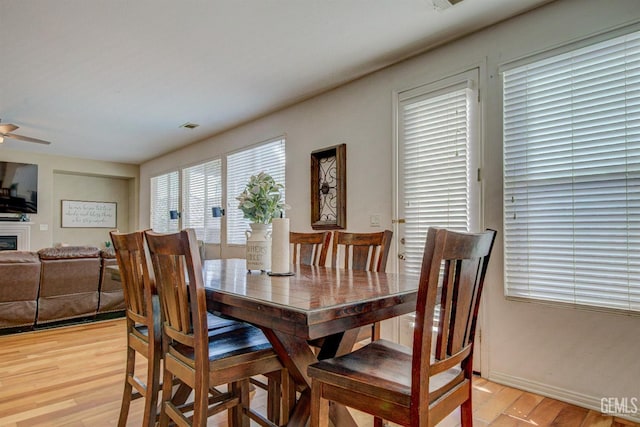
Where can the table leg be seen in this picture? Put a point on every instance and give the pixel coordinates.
(296, 355)
(338, 344)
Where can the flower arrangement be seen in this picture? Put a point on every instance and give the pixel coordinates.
(261, 200)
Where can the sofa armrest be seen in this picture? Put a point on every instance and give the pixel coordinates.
(20, 272)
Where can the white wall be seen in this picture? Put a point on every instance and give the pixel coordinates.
(572, 354)
(46, 221)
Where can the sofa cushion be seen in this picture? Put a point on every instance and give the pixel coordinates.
(108, 253)
(66, 252)
(69, 283)
(11, 257)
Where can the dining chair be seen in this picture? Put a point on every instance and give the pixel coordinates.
(195, 356)
(362, 251)
(310, 248)
(144, 337)
(417, 386)
(142, 324)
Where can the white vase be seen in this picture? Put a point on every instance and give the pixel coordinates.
(258, 247)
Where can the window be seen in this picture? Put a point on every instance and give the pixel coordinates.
(572, 176)
(270, 158)
(164, 198)
(437, 149)
(201, 191)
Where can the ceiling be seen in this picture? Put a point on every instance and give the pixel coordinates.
(115, 79)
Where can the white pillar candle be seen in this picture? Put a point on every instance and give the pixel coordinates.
(280, 246)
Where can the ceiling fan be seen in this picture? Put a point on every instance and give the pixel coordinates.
(7, 128)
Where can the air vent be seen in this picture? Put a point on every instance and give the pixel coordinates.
(189, 125)
(444, 4)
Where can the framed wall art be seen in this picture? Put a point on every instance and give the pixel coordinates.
(329, 188)
(85, 214)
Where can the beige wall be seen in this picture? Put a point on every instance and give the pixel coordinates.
(46, 222)
(68, 186)
(572, 354)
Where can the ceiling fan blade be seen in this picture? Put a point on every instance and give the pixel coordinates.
(25, 138)
(7, 127)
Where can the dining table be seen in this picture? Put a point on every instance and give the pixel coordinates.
(319, 304)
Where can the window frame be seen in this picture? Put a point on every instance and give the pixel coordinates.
(207, 219)
(152, 205)
(529, 60)
(230, 201)
(227, 201)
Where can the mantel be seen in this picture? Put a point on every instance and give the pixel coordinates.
(16, 222)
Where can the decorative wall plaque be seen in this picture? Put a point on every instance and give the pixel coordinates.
(329, 188)
(84, 214)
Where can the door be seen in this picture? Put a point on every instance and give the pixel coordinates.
(437, 168)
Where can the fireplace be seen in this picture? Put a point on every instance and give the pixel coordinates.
(8, 243)
(15, 236)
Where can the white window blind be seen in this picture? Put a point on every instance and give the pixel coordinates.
(164, 198)
(270, 158)
(434, 140)
(572, 176)
(202, 190)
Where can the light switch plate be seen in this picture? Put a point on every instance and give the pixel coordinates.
(374, 220)
(44, 227)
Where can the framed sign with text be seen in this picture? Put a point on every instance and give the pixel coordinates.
(86, 214)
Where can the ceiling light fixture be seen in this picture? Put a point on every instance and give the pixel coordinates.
(189, 125)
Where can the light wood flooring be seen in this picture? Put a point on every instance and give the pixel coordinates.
(72, 376)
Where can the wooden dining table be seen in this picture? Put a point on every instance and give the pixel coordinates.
(314, 302)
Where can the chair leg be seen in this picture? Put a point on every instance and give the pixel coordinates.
(319, 406)
(466, 413)
(378, 422)
(274, 399)
(237, 413)
(128, 389)
(167, 386)
(466, 409)
(153, 388)
(288, 397)
(200, 403)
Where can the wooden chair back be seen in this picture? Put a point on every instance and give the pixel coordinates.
(178, 275)
(137, 285)
(310, 248)
(200, 357)
(143, 323)
(388, 380)
(361, 251)
(451, 282)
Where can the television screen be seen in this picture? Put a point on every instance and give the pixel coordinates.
(18, 188)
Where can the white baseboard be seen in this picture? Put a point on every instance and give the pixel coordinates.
(568, 396)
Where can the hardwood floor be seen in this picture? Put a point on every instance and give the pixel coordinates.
(72, 376)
